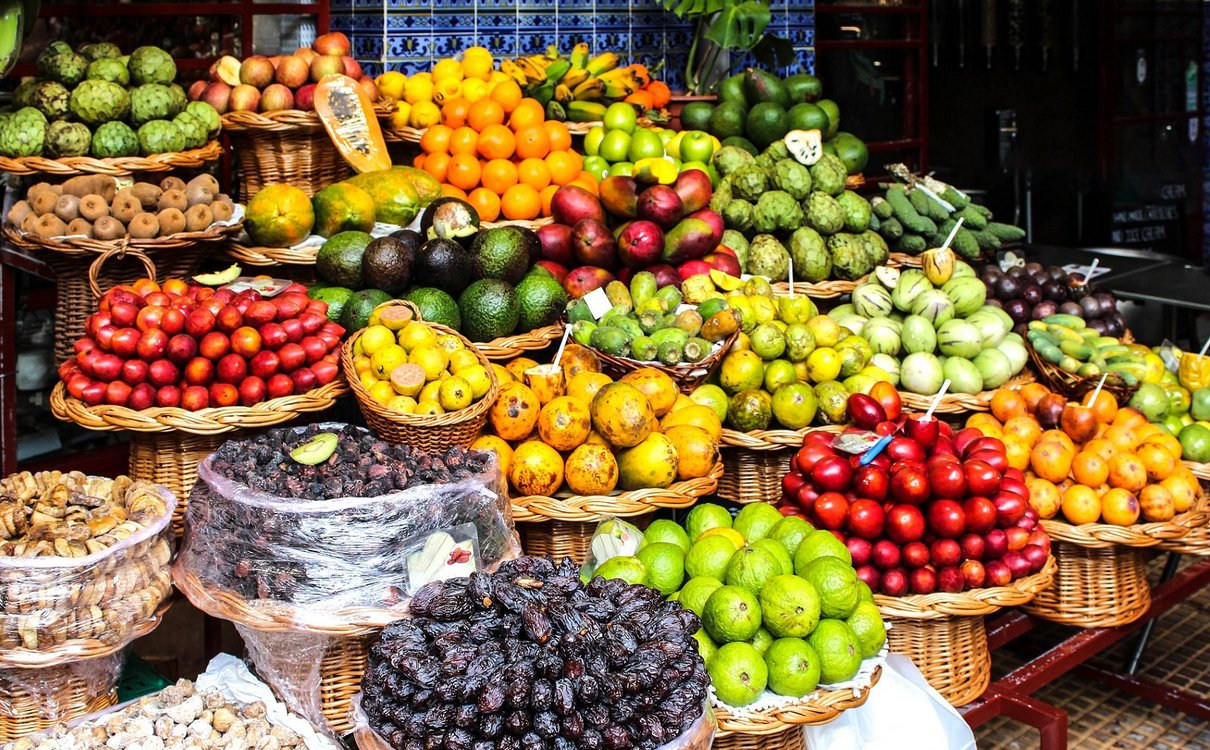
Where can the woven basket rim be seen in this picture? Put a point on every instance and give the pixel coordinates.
(905, 260)
(588, 508)
(537, 223)
(81, 246)
(284, 120)
(115, 166)
(1101, 535)
(509, 347)
(1201, 471)
(973, 603)
(1073, 386)
(80, 649)
(961, 403)
(685, 375)
(272, 256)
(820, 710)
(408, 134)
(211, 421)
(772, 440)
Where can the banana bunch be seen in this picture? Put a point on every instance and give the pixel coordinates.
(564, 84)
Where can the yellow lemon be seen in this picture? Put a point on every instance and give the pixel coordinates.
(418, 89)
(454, 394)
(361, 363)
(383, 361)
(382, 392)
(368, 380)
(476, 67)
(375, 338)
(402, 115)
(415, 335)
(730, 535)
(424, 114)
(391, 84)
(447, 68)
(470, 52)
(432, 358)
(823, 364)
(446, 89)
(474, 89)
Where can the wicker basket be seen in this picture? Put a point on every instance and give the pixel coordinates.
(777, 727)
(562, 526)
(68, 166)
(1073, 386)
(174, 242)
(289, 146)
(272, 256)
(755, 462)
(687, 376)
(944, 634)
(511, 347)
(535, 224)
(33, 699)
(961, 403)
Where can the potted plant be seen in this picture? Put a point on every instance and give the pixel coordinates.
(725, 30)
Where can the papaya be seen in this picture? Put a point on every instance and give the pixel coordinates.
(348, 116)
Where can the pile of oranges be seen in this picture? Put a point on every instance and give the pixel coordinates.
(501, 155)
(654, 95)
(1089, 461)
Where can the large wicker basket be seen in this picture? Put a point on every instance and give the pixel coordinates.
(511, 347)
(289, 146)
(33, 699)
(687, 376)
(755, 462)
(430, 433)
(69, 166)
(1075, 386)
(961, 403)
(944, 634)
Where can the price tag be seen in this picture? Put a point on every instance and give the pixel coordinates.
(598, 302)
(856, 442)
(266, 287)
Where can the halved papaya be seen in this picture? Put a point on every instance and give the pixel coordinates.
(218, 278)
(348, 116)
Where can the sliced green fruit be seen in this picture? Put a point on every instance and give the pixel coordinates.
(218, 278)
(316, 450)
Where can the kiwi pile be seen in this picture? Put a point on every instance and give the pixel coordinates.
(94, 207)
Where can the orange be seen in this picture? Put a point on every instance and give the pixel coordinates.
(591, 469)
(1101, 447)
(1090, 469)
(1025, 428)
(453, 112)
(640, 72)
(486, 202)
(1106, 406)
(1123, 438)
(507, 94)
(1127, 472)
(558, 134)
(1184, 493)
(656, 385)
(564, 166)
(494, 444)
(499, 175)
(1017, 451)
(1044, 496)
(547, 195)
(660, 93)
(436, 164)
(537, 469)
(463, 140)
(1171, 444)
(436, 138)
(1145, 432)
(1080, 504)
(449, 191)
(464, 171)
(1120, 507)
(696, 451)
(586, 181)
(483, 113)
(1060, 437)
(532, 142)
(641, 99)
(1129, 417)
(521, 202)
(496, 142)
(1050, 460)
(1007, 404)
(1033, 393)
(533, 172)
(1156, 503)
(987, 424)
(418, 161)
(527, 112)
(1156, 459)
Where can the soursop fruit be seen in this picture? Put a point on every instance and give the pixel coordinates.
(114, 139)
(23, 95)
(108, 69)
(67, 138)
(160, 136)
(51, 99)
(66, 67)
(208, 115)
(193, 130)
(24, 133)
(151, 65)
(100, 51)
(97, 102)
(149, 102)
(179, 100)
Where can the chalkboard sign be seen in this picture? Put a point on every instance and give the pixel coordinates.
(1156, 225)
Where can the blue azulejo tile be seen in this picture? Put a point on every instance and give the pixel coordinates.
(372, 68)
(341, 22)
(409, 23)
(414, 5)
(799, 37)
(366, 23)
(533, 43)
(405, 45)
(338, 6)
(367, 47)
(532, 5)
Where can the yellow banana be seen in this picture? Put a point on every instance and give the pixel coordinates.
(592, 89)
(542, 61)
(574, 77)
(603, 63)
(552, 52)
(619, 73)
(514, 71)
(620, 89)
(563, 94)
(581, 111)
(533, 73)
(579, 55)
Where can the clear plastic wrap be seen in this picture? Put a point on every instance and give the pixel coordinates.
(84, 559)
(33, 699)
(613, 537)
(333, 554)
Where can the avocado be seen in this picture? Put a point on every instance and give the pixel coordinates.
(500, 253)
(731, 89)
(387, 264)
(339, 259)
(803, 87)
(444, 264)
(356, 313)
(436, 306)
(741, 142)
(696, 115)
(766, 123)
(489, 309)
(727, 120)
(807, 116)
(763, 86)
(450, 218)
(532, 244)
(336, 297)
(541, 298)
(833, 111)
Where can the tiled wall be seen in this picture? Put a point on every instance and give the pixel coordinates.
(409, 35)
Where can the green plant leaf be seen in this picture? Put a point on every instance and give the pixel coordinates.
(692, 8)
(773, 52)
(739, 25)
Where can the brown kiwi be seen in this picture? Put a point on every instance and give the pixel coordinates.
(206, 181)
(174, 198)
(198, 217)
(198, 195)
(50, 225)
(29, 225)
(125, 207)
(108, 228)
(143, 226)
(44, 202)
(92, 184)
(40, 186)
(93, 207)
(67, 207)
(148, 194)
(80, 227)
(17, 214)
(222, 210)
(172, 221)
(172, 183)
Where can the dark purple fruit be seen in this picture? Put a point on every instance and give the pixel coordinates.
(1044, 309)
(1008, 288)
(1108, 304)
(1056, 273)
(1090, 307)
(1054, 291)
(1017, 310)
(1099, 325)
(1032, 294)
(993, 302)
(1071, 308)
(1034, 268)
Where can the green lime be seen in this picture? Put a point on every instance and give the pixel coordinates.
(790, 606)
(709, 557)
(1195, 443)
(712, 396)
(706, 516)
(756, 520)
(836, 582)
(665, 566)
(751, 568)
(738, 673)
(1200, 403)
(696, 591)
(664, 530)
(866, 594)
(761, 641)
(706, 648)
(732, 614)
(627, 568)
(790, 531)
(793, 667)
(839, 652)
(775, 548)
(1151, 400)
(820, 544)
(867, 625)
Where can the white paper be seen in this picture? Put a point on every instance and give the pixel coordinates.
(598, 302)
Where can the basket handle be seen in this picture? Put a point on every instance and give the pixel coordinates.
(403, 303)
(121, 250)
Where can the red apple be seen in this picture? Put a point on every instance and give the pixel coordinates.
(223, 394)
(291, 357)
(168, 396)
(864, 411)
(995, 544)
(946, 518)
(116, 393)
(231, 369)
(905, 449)
(153, 344)
(273, 336)
(872, 482)
(830, 510)
(199, 371)
(943, 447)
(1017, 538)
(909, 485)
(915, 554)
(315, 348)
(260, 312)
(998, 573)
(945, 552)
(859, 550)
(325, 371)
(980, 514)
(922, 581)
(893, 583)
(199, 322)
(228, 318)
(947, 480)
(998, 460)
(123, 314)
(905, 523)
(1010, 508)
(181, 348)
(1039, 538)
(885, 554)
(869, 575)
(1035, 556)
(791, 481)
(123, 342)
(76, 386)
(1017, 564)
(808, 455)
(107, 368)
(806, 497)
(172, 321)
(162, 372)
(866, 518)
(963, 439)
(245, 341)
(93, 394)
(214, 346)
(311, 322)
(950, 579)
(142, 396)
(279, 385)
(150, 317)
(921, 430)
(264, 365)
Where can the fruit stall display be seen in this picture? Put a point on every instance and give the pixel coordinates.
(97, 110)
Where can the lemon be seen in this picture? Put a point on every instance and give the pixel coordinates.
(416, 335)
(476, 67)
(463, 359)
(497, 76)
(470, 52)
(432, 358)
(730, 535)
(385, 360)
(391, 84)
(402, 404)
(430, 392)
(474, 89)
(446, 89)
(428, 408)
(375, 338)
(823, 364)
(382, 392)
(825, 330)
(478, 379)
(447, 67)
(426, 75)
(402, 115)
(454, 394)
(424, 114)
(418, 89)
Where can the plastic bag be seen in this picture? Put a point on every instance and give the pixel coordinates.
(63, 595)
(902, 713)
(328, 555)
(54, 694)
(613, 537)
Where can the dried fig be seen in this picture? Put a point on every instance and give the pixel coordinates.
(93, 207)
(125, 208)
(174, 198)
(172, 221)
(143, 226)
(108, 228)
(198, 217)
(67, 207)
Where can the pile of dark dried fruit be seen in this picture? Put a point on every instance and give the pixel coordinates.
(530, 658)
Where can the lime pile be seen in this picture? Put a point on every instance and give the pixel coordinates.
(781, 607)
